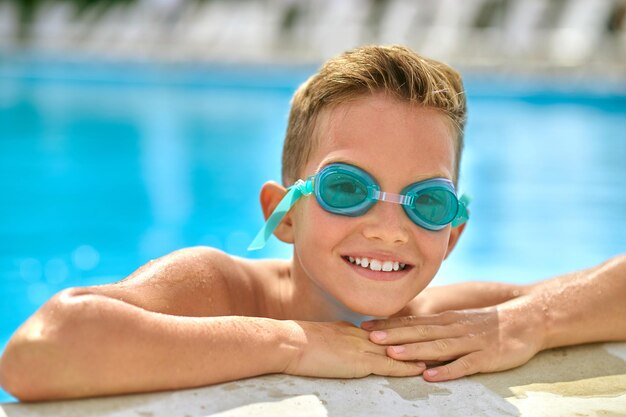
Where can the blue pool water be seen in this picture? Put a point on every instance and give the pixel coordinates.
(106, 166)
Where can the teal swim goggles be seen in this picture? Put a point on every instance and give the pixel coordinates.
(349, 191)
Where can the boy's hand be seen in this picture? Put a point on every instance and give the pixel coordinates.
(341, 350)
(471, 341)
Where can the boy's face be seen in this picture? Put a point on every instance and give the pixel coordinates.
(397, 144)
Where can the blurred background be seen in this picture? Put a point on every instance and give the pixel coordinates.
(520, 35)
(129, 129)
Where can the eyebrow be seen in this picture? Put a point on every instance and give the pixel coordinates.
(343, 160)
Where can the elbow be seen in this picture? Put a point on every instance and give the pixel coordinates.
(33, 365)
(19, 375)
(27, 365)
(8, 380)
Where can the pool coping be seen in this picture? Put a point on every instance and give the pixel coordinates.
(579, 380)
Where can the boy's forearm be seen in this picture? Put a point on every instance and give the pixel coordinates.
(103, 346)
(585, 306)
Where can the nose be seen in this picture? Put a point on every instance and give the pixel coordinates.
(387, 223)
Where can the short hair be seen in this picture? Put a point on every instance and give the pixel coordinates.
(395, 70)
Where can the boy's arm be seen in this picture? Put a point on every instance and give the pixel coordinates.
(585, 306)
(87, 345)
(145, 334)
(580, 307)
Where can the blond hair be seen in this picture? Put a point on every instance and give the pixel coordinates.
(393, 69)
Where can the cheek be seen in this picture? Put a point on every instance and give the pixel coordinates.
(316, 233)
(318, 227)
(433, 245)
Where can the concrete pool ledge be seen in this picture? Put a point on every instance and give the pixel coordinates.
(584, 380)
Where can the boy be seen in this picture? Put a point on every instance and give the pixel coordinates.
(376, 138)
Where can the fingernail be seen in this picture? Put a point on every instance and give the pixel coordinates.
(398, 349)
(431, 372)
(421, 364)
(379, 335)
(367, 324)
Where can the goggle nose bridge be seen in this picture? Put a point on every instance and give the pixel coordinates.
(403, 199)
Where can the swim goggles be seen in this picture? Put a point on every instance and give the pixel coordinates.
(349, 191)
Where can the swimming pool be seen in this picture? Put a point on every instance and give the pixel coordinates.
(106, 166)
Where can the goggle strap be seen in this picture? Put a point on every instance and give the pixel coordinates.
(294, 193)
(462, 215)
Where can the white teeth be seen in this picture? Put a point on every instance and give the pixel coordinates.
(376, 265)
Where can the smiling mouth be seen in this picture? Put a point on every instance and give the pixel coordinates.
(377, 265)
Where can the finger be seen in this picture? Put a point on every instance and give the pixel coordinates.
(432, 364)
(386, 366)
(436, 350)
(395, 322)
(416, 333)
(466, 365)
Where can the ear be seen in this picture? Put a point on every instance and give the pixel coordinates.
(271, 194)
(455, 234)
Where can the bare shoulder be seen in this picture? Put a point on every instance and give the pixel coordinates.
(196, 281)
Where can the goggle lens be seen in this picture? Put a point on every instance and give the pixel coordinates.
(342, 190)
(435, 206)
